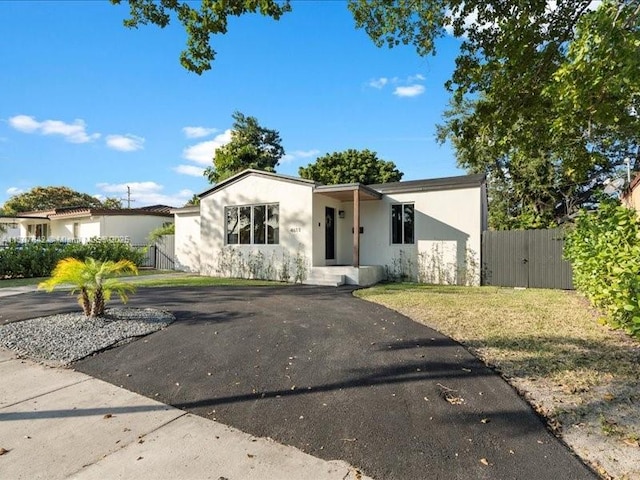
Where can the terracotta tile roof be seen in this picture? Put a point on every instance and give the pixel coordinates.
(65, 212)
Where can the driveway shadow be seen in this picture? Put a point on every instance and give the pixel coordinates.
(339, 378)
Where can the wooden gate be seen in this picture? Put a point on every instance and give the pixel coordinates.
(525, 258)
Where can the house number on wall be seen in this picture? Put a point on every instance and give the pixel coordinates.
(295, 229)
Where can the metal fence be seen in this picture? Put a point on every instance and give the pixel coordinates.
(160, 255)
(525, 258)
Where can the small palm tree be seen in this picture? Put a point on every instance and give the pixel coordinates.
(94, 279)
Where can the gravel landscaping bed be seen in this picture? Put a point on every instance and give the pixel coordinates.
(65, 338)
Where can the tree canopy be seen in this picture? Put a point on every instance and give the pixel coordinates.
(112, 202)
(199, 23)
(251, 146)
(351, 166)
(544, 100)
(46, 198)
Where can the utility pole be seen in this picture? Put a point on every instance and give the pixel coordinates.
(128, 199)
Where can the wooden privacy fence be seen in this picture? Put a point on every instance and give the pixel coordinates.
(160, 255)
(525, 258)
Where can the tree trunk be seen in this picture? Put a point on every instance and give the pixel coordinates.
(97, 308)
(84, 302)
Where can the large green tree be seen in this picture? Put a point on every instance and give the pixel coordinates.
(251, 146)
(46, 198)
(544, 100)
(351, 166)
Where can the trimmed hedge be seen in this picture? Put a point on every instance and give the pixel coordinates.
(604, 251)
(38, 258)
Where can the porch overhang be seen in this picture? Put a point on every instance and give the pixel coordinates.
(344, 192)
(356, 193)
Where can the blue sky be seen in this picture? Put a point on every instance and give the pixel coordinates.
(89, 104)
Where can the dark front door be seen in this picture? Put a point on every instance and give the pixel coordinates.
(330, 233)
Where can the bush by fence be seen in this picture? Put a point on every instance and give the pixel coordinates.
(604, 250)
(39, 257)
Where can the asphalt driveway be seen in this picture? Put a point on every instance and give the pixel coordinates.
(333, 375)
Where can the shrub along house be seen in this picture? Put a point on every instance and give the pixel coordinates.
(82, 223)
(265, 225)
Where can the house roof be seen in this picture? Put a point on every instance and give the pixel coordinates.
(433, 184)
(189, 209)
(76, 212)
(261, 173)
(375, 191)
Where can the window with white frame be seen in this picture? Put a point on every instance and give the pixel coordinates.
(252, 224)
(39, 230)
(402, 223)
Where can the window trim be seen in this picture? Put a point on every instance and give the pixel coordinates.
(402, 206)
(252, 226)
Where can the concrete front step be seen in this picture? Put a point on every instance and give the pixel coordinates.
(326, 280)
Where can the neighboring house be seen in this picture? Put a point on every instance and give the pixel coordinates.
(83, 223)
(631, 195)
(265, 225)
(9, 228)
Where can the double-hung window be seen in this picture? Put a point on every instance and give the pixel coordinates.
(252, 224)
(402, 223)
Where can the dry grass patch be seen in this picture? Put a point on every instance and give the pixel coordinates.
(548, 344)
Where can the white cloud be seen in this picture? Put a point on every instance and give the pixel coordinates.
(24, 123)
(145, 193)
(125, 143)
(409, 91)
(296, 154)
(14, 191)
(404, 87)
(378, 82)
(198, 132)
(72, 132)
(202, 153)
(191, 170)
(122, 187)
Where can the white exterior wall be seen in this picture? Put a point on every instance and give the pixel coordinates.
(448, 229)
(88, 227)
(295, 224)
(187, 242)
(11, 231)
(136, 227)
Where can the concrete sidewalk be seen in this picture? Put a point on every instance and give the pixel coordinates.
(59, 423)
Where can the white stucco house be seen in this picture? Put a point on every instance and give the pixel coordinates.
(265, 225)
(83, 223)
(9, 229)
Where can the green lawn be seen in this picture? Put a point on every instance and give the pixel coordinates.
(20, 282)
(146, 278)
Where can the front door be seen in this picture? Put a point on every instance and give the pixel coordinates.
(330, 234)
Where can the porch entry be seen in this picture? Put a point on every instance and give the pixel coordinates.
(330, 235)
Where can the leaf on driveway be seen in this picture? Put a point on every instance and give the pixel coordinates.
(449, 394)
(3, 451)
(484, 461)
